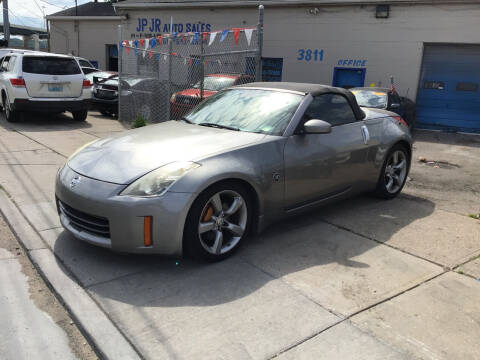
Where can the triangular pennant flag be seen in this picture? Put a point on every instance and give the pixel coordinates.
(185, 61)
(174, 35)
(159, 39)
(130, 43)
(135, 43)
(236, 34)
(191, 62)
(195, 38)
(158, 57)
(164, 57)
(150, 54)
(142, 41)
(204, 35)
(144, 53)
(146, 44)
(153, 42)
(124, 43)
(128, 50)
(248, 35)
(224, 35)
(212, 38)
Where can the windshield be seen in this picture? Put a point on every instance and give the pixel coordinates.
(370, 98)
(50, 65)
(215, 83)
(261, 111)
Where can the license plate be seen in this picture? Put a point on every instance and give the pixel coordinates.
(55, 87)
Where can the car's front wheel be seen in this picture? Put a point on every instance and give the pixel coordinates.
(394, 173)
(80, 115)
(218, 221)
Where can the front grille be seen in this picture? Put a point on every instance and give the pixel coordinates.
(187, 100)
(81, 221)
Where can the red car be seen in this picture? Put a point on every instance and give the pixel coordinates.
(184, 101)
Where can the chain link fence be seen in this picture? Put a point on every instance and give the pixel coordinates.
(163, 77)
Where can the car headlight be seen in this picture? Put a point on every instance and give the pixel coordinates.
(158, 181)
(172, 99)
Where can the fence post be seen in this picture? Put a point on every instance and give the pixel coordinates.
(258, 76)
(119, 69)
(202, 66)
(169, 82)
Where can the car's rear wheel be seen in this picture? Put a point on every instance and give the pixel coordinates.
(218, 221)
(394, 173)
(10, 115)
(80, 115)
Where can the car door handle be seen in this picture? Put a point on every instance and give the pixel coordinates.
(365, 135)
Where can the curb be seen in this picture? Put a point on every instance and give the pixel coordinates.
(102, 334)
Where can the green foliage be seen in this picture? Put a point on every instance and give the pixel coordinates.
(139, 122)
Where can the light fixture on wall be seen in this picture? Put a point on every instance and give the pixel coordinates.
(382, 11)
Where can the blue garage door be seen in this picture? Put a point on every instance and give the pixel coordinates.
(348, 78)
(449, 95)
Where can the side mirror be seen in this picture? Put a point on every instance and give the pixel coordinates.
(395, 106)
(315, 126)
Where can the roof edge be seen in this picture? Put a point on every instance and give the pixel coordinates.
(281, 3)
(66, 17)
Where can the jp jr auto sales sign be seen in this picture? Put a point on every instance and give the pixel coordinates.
(150, 26)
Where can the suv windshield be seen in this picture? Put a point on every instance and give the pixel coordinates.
(49, 65)
(215, 83)
(261, 111)
(371, 98)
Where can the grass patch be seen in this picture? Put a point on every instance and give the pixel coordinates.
(474, 216)
(140, 121)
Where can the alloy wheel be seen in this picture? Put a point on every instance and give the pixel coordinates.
(223, 222)
(395, 171)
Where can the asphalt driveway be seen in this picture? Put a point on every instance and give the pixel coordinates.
(362, 279)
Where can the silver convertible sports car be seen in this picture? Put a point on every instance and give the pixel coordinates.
(242, 159)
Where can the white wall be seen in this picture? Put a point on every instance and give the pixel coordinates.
(93, 36)
(390, 46)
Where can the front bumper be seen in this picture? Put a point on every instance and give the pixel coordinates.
(123, 214)
(104, 104)
(51, 105)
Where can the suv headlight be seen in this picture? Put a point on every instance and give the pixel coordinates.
(158, 181)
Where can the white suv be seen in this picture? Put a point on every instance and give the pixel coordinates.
(35, 81)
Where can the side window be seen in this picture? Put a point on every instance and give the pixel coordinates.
(332, 108)
(11, 63)
(4, 66)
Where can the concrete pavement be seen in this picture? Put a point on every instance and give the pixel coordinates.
(345, 281)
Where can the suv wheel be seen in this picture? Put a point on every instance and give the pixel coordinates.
(80, 115)
(10, 115)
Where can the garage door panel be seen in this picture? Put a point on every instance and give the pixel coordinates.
(449, 88)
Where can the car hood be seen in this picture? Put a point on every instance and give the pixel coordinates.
(123, 158)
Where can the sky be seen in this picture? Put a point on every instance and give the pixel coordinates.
(30, 12)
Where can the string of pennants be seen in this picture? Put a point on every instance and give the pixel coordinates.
(145, 44)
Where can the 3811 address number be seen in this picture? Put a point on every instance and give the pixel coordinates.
(309, 55)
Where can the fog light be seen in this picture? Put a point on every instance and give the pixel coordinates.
(147, 231)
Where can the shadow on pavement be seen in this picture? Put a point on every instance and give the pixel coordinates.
(288, 247)
(45, 122)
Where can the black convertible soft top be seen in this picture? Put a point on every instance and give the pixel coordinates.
(313, 89)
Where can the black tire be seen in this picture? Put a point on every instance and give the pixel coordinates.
(382, 190)
(10, 115)
(80, 115)
(192, 238)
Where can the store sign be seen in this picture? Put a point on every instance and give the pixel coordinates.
(352, 62)
(156, 25)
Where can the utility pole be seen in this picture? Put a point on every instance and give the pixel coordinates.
(6, 23)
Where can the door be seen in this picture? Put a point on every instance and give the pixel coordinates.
(448, 94)
(348, 78)
(319, 166)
